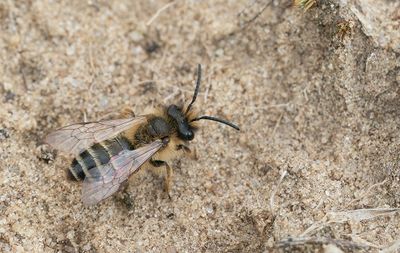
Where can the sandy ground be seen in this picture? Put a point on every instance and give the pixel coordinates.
(315, 167)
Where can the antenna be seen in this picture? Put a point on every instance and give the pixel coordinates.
(218, 120)
(196, 90)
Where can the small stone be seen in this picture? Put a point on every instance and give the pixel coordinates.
(87, 247)
(219, 52)
(9, 96)
(136, 36)
(4, 134)
(44, 153)
(104, 101)
(152, 47)
(331, 248)
(71, 50)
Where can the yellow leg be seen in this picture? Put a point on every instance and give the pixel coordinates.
(126, 197)
(191, 154)
(168, 174)
(168, 179)
(127, 112)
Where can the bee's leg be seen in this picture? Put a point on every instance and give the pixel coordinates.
(188, 151)
(127, 112)
(125, 197)
(124, 186)
(168, 177)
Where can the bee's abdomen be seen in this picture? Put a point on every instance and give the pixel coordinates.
(97, 155)
(76, 171)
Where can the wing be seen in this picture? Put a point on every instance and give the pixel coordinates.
(77, 137)
(106, 180)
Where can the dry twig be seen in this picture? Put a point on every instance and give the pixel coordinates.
(159, 11)
(321, 241)
(352, 215)
(271, 200)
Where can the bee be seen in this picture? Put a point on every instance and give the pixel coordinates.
(108, 152)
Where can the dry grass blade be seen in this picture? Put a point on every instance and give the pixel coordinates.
(258, 13)
(360, 214)
(392, 248)
(320, 241)
(304, 4)
(366, 193)
(352, 215)
(159, 12)
(271, 200)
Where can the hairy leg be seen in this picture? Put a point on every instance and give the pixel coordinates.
(125, 197)
(191, 154)
(127, 112)
(168, 177)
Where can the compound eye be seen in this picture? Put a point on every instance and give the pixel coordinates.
(188, 135)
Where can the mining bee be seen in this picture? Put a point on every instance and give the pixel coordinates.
(108, 152)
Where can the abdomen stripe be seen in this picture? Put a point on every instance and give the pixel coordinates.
(97, 155)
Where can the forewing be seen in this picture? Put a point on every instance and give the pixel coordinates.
(106, 180)
(78, 137)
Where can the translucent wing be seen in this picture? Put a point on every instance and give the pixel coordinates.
(106, 180)
(78, 137)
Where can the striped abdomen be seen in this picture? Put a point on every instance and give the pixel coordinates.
(97, 155)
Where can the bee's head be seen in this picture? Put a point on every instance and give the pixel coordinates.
(185, 129)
